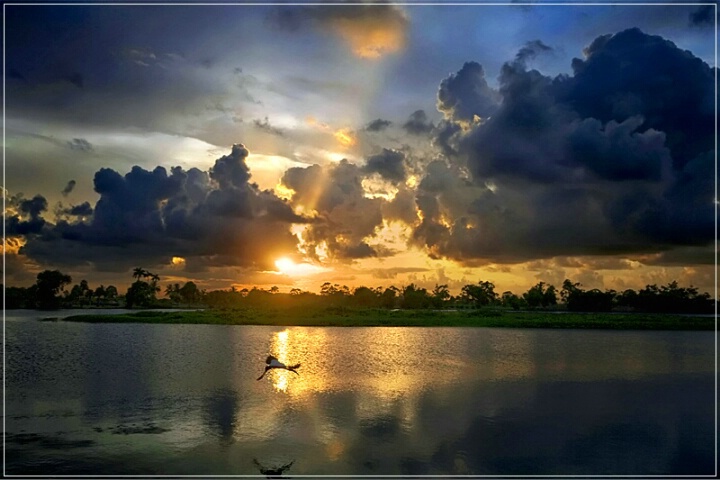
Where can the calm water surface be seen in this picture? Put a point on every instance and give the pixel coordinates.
(142, 399)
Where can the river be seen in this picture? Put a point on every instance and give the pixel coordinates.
(144, 399)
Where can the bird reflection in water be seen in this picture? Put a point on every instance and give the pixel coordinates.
(273, 472)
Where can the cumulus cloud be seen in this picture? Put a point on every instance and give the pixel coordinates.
(377, 125)
(389, 164)
(608, 160)
(418, 124)
(345, 217)
(28, 219)
(465, 95)
(216, 217)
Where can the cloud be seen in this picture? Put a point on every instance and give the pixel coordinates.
(390, 164)
(531, 50)
(465, 95)
(80, 144)
(377, 125)
(82, 210)
(215, 217)
(702, 17)
(418, 124)
(604, 161)
(371, 31)
(345, 217)
(69, 188)
(265, 126)
(28, 218)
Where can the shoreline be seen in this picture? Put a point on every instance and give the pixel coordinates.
(340, 317)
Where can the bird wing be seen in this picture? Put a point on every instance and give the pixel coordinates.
(263, 374)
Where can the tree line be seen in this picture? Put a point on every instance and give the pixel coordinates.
(51, 291)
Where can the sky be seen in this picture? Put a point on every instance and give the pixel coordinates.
(361, 144)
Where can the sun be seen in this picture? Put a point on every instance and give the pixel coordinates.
(285, 265)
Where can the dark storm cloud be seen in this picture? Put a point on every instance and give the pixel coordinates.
(377, 125)
(466, 94)
(649, 76)
(418, 124)
(390, 164)
(531, 50)
(68, 188)
(82, 210)
(615, 158)
(345, 217)
(703, 16)
(153, 216)
(28, 219)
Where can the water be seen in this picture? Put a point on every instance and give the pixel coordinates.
(142, 399)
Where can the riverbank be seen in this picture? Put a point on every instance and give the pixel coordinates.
(342, 317)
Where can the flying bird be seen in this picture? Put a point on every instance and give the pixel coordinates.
(272, 362)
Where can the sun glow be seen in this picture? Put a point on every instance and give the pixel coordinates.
(287, 266)
(345, 137)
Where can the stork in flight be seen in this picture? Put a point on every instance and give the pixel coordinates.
(272, 362)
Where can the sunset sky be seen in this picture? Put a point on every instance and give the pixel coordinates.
(290, 145)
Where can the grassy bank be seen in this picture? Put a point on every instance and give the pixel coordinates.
(401, 318)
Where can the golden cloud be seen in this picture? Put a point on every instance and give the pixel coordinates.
(371, 38)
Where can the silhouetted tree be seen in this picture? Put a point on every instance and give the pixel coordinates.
(440, 296)
(414, 297)
(594, 300)
(140, 294)
(190, 293)
(111, 293)
(20, 297)
(481, 294)
(49, 284)
(99, 294)
(388, 298)
(365, 297)
(540, 296)
(139, 272)
(172, 291)
(511, 300)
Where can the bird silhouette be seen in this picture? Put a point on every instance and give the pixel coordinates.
(273, 472)
(272, 362)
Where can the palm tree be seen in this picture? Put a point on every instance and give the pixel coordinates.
(139, 272)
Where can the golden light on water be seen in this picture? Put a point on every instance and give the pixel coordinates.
(280, 350)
